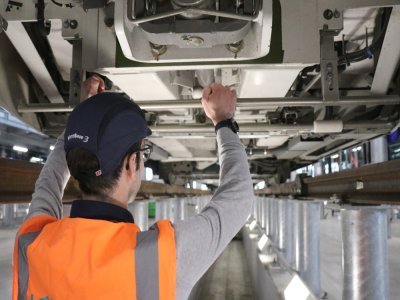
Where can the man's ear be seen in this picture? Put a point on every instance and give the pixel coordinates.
(130, 165)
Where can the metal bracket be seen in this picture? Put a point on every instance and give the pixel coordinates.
(329, 66)
(77, 74)
(3, 24)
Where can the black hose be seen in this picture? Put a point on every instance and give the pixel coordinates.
(368, 52)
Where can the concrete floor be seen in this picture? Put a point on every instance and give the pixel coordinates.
(6, 249)
(229, 277)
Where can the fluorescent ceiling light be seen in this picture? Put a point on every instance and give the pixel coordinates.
(34, 159)
(20, 149)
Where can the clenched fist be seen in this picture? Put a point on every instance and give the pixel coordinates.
(219, 102)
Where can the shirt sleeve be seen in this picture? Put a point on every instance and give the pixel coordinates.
(201, 239)
(49, 188)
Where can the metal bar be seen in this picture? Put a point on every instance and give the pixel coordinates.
(365, 258)
(18, 185)
(371, 184)
(193, 11)
(389, 55)
(26, 49)
(306, 243)
(329, 71)
(242, 103)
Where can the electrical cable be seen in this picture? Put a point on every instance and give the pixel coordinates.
(69, 5)
(369, 51)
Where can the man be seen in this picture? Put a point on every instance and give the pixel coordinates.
(98, 252)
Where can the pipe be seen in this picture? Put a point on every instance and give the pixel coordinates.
(365, 258)
(243, 103)
(199, 11)
(262, 128)
(306, 243)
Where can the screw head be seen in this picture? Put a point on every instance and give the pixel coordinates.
(73, 24)
(328, 14)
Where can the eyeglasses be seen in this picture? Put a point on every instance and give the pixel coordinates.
(147, 149)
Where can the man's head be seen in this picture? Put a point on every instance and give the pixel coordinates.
(103, 140)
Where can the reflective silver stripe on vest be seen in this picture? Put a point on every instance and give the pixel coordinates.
(23, 274)
(146, 264)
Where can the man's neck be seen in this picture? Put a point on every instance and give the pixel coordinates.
(107, 199)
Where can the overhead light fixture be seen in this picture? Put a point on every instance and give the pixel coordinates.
(334, 156)
(34, 159)
(20, 149)
(51, 147)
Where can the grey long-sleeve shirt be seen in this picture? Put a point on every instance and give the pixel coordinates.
(199, 240)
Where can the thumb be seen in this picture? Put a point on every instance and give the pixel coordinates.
(206, 93)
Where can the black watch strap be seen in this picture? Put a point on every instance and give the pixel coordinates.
(230, 123)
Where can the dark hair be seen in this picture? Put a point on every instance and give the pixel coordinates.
(83, 164)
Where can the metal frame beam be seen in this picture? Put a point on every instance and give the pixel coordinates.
(18, 183)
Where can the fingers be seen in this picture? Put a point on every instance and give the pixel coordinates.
(92, 86)
(206, 93)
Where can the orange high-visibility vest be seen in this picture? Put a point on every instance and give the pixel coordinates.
(76, 258)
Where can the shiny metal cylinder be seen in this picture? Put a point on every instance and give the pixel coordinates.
(190, 208)
(140, 212)
(306, 243)
(254, 209)
(267, 216)
(164, 209)
(365, 257)
(8, 215)
(259, 210)
(180, 209)
(273, 220)
(285, 236)
(262, 214)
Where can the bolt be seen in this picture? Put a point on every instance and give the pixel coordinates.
(191, 40)
(328, 14)
(66, 24)
(336, 14)
(73, 24)
(235, 47)
(109, 22)
(157, 50)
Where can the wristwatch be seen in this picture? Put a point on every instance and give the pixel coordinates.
(230, 123)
